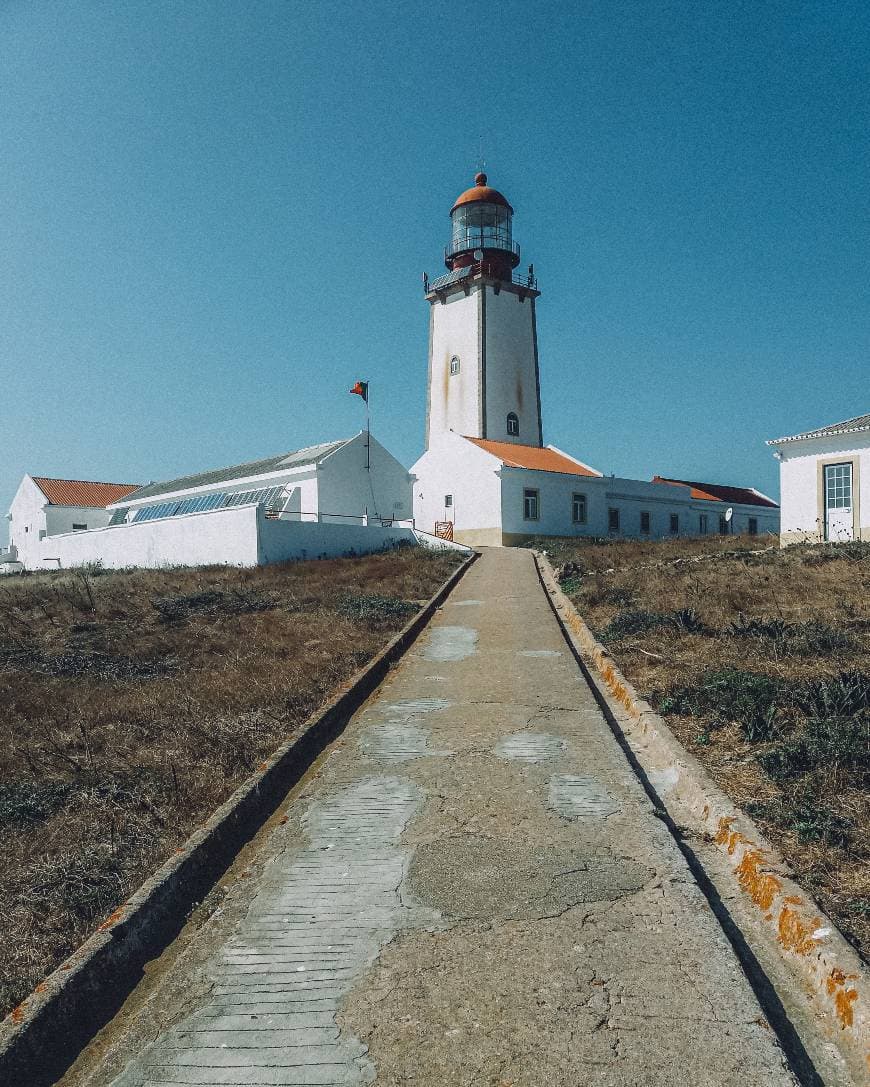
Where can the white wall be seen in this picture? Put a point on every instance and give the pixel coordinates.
(62, 518)
(27, 520)
(629, 496)
(799, 483)
(556, 492)
(457, 467)
(510, 367)
(346, 487)
(226, 536)
(281, 541)
(454, 401)
(238, 536)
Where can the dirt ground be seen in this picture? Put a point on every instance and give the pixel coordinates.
(134, 703)
(759, 659)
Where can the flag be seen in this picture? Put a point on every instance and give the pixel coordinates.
(361, 389)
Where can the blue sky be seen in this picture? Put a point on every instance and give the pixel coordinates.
(216, 216)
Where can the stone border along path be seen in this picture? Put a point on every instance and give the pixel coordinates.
(472, 888)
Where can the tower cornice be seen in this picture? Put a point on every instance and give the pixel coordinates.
(467, 285)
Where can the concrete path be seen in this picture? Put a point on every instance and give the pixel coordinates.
(473, 889)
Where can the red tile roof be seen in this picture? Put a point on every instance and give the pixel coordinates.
(717, 492)
(82, 492)
(546, 459)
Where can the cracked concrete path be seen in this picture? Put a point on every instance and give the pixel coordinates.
(472, 888)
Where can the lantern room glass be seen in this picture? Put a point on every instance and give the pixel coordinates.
(481, 226)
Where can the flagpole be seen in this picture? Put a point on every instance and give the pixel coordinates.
(368, 431)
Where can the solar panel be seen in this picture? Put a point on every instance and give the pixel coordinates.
(119, 516)
(455, 276)
(201, 503)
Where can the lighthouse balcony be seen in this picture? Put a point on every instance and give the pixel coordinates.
(468, 243)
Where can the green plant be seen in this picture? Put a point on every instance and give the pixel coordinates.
(628, 623)
(780, 638)
(831, 741)
(806, 817)
(749, 698)
(834, 696)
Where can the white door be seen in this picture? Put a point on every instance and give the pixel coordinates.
(838, 502)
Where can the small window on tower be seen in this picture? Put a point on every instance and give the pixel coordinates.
(448, 500)
(513, 424)
(454, 365)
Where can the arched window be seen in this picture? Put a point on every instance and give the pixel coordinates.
(513, 424)
(454, 365)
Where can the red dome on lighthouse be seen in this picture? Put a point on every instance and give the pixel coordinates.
(480, 192)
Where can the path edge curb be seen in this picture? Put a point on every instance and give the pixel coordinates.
(826, 967)
(42, 1036)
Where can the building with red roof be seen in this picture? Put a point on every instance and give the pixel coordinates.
(44, 506)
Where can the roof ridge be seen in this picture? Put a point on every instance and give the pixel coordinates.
(230, 472)
(827, 430)
(707, 491)
(93, 482)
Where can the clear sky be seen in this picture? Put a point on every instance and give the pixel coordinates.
(216, 216)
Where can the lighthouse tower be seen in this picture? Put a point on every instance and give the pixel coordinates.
(483, 349)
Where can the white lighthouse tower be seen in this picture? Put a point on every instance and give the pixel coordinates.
(483, 350)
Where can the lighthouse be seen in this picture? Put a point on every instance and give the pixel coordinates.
(483, 347)
(486, 478)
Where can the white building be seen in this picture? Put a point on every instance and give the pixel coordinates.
(825, 482)
(486, 477)
(44, 507)
(329, 499)
(350, 481)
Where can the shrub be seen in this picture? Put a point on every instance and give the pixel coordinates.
(27, 803)
(781, 638)
(834, 741)
(834, 696)
(750, 699)
(627, 623)
(82, 662)
(810, 820)
(376, 610)
(175, 609)
(850, 550)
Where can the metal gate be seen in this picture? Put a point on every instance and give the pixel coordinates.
(444, 530)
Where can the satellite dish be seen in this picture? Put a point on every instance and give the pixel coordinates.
(729, 513)
(478, 254)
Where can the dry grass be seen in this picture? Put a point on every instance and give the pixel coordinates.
(761, 665)
(134, 703)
